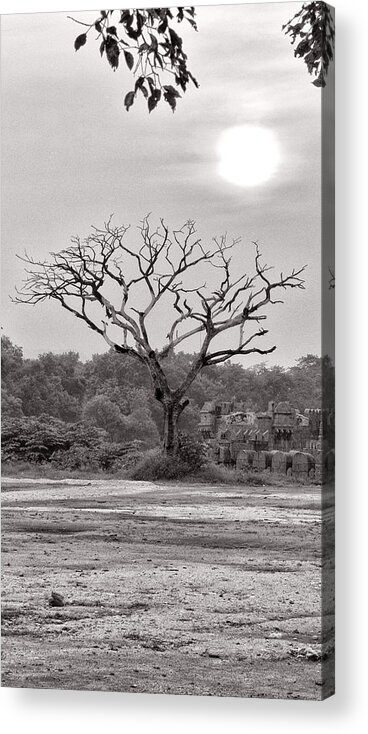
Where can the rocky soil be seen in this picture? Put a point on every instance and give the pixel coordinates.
(186, 589)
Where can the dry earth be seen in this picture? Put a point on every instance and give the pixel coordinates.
(168, 589)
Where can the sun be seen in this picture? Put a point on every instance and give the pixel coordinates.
(248, 155)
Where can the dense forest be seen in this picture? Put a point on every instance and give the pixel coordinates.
(56, 403)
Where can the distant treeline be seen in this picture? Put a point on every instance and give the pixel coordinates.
(113, 392)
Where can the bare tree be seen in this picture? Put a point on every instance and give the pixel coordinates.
(115, 286)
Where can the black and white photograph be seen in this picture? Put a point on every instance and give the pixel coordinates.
(167, 350)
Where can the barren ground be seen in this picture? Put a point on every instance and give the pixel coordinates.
(186, 589)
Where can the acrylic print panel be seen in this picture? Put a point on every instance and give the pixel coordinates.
(168, 415)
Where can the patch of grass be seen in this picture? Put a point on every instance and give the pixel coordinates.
(28, 470)
(218, 474)
(154, 467)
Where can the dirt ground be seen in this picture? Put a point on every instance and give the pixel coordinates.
(186, 589)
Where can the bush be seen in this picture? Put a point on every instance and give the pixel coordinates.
(191, 451)
(116, 456)
(78, 446)
(109, 457)
(76, 457)
(32, 439)
(155, 466)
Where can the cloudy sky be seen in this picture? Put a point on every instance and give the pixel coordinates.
(72, 155)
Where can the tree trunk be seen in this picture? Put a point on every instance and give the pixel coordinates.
(171, 430)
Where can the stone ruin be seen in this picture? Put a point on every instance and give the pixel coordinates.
(280, 440)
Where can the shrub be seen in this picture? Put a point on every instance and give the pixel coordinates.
(155, 466)
(76, 457)
(116, 456)
(191, 451)
(43, 439)
(109, 457)
(219, 474)
(32, 439)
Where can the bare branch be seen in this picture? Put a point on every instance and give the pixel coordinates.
(100, 280)
(225, 354)
(232, 353)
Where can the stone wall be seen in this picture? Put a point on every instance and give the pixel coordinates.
(296, 463)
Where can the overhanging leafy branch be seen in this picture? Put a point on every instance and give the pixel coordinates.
(312, 31)
(150, 48)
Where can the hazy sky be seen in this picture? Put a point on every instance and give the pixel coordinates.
(72, 155)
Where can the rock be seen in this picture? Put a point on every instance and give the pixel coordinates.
(306, 652)
(56, 600)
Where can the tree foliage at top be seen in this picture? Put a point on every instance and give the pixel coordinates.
(146, 42)
(312, 31)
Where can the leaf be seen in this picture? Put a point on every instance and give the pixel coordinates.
(171, 90)
(129, 100)
(140, 85)
(112, 52)
(126, 17)
(162, 26)
(171, 98)
(102, 48)
(154, 44)
(175, 39)
(171, 101)
(80, 41)
(194, 80)
(152, 102)
(98, 26)
(154, 99)
(319, 82)
(158, 60)
(111, 30)
(139, 82)
(170, 95)
(129, 59)
(132, 33)
(151, 85)
(140, 22)
(302, 48)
